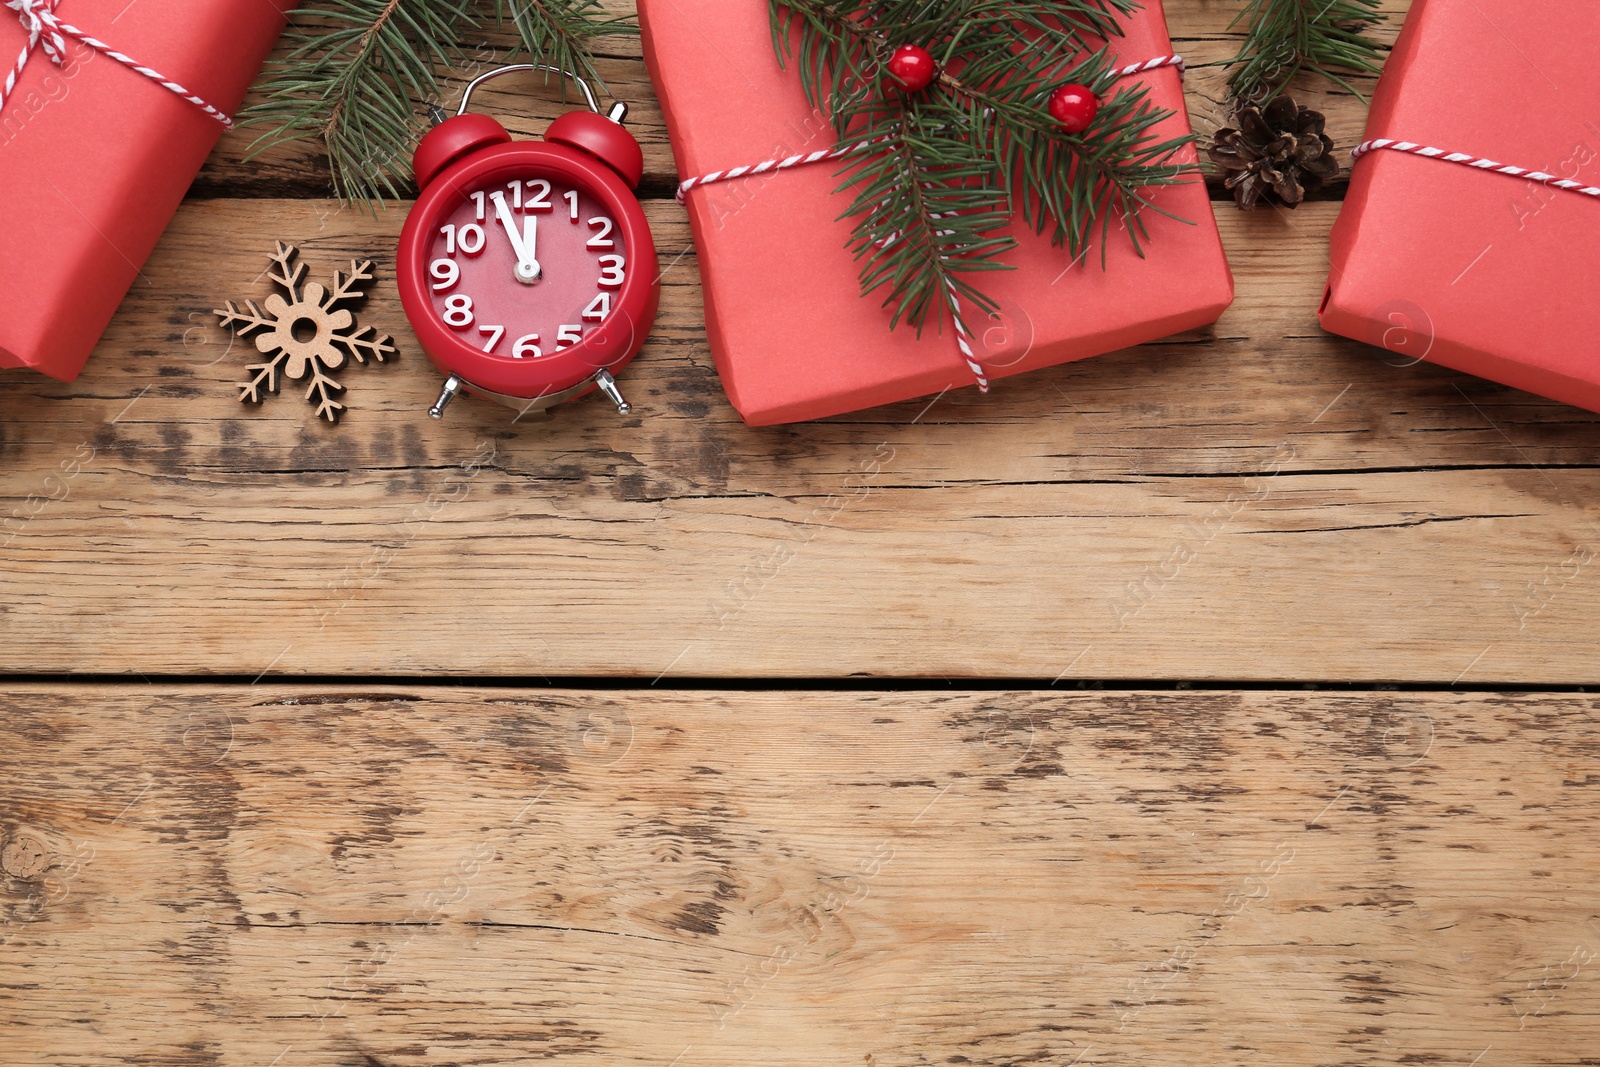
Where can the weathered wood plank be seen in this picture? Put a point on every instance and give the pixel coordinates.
(1199, 29)
(1314, 510)
(324, 877)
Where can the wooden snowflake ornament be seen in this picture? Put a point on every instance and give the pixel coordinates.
(306, 333)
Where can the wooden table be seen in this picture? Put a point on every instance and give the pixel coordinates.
(898, 738)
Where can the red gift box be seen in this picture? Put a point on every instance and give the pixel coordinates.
(1439, 253)
(95, 157)
(792, 336)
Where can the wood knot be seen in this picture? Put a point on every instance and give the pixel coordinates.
(26, 857)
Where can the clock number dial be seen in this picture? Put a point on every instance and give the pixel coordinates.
(458, 311)
(538, 196)
(468, 238)
(446, 273)
(495, 277)
(603, 238)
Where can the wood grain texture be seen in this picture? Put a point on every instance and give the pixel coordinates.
(311, 876)
(1199, 29)
(1256, 501)
(1253, 501)
(362, 875)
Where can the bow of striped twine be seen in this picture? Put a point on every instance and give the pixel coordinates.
(46, 30)
(34, 15)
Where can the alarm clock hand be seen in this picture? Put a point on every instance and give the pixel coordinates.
(530, 244)
(523, 243)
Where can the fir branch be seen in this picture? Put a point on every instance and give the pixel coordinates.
(1286, 37)
(351, 78)
(564, 33)
(943, 171)
(1072, 181)
(842, 43)
(925, 216)
(358, 72)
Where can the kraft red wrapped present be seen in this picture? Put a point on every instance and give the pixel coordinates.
(792, 336)
(1471, 233)
(95, 156)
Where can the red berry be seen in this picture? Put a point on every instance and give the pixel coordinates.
(1074, 107)
(913, 67)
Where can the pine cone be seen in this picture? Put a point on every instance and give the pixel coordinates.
(1281, 147)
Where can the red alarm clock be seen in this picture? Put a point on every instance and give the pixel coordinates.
(527, 268)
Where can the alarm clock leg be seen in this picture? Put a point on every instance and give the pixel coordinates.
(608, 385)
(452, 386)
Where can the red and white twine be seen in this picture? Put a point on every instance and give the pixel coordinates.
(732, 173)
(1476, 162)
(1152, 64)
(46, 31)
(963, 341)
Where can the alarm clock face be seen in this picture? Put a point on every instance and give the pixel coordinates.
(527, 268)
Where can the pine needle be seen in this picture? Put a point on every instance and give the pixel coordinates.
(360, 71)
(564, 33)
(946, 170)
(1286, 37)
